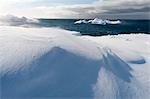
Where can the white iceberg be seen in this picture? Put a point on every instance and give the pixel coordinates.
(113, 22)
(80, 22)
(98, 21)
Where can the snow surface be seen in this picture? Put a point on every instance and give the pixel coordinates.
(53, 63)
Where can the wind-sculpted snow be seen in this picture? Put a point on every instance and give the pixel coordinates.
(98, 21)
(129, 51)
(54, 63)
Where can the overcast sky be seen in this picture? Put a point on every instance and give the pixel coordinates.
(113, 9)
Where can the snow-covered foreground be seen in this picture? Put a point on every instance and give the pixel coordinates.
(53, 63)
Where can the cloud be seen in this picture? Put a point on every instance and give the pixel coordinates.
(112, 8)
(11, 20)
(101, 8)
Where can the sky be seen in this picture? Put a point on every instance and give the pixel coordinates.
(106, 9)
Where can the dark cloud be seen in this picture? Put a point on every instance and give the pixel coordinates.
(128, 10)
(131, 9)
(134, 9)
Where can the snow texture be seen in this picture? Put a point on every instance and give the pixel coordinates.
(55, 63)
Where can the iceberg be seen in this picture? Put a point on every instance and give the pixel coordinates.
(98, 21)
(113, 22)
(80, 22)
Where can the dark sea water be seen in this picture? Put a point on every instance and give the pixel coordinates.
(125, 27)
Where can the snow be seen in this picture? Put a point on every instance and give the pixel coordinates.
(51, 62)
(126, 67)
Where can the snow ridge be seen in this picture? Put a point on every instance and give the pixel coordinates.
(51, 62)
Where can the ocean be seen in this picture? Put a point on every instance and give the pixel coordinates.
(99, 27)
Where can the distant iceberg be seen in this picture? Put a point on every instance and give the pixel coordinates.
(98, 21)
(113, 22)
(81, 21)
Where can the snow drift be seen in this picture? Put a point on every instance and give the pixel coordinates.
(98, 21)
(55, 63)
